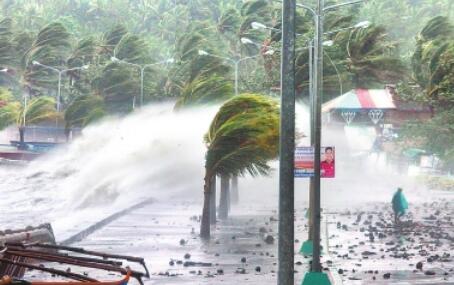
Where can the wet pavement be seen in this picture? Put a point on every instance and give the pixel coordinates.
(365, 247)
(243, 249)
(368, 249)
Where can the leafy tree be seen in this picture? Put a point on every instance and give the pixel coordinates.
(433, 70)
(51, 47)
(119, 86)
(37, 110)
(432, 60)
(7, 53)
(371, 58)
(242, 138)
(84, 110)
(205, 90)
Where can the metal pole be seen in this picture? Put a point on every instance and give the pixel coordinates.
(142, 69)
(58, 105)
(312, 134)
(237, 67)
(287, 147)
(25, 108)
(59, 91)
(318, 81)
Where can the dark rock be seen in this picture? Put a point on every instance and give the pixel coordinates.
(240, 271)
(386, 275)
(269, 239)
(171, 263)
(429, 272)
(419, 265)
(220, 271)
(258, 269)
(187, 256)
(262, 230)
(200, 264)
(243, 259)
(182, 242)
(340, 271)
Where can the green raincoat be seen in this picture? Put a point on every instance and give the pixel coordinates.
(400, 204)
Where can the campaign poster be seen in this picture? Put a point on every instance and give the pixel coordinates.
(304, 162)
(327, 166)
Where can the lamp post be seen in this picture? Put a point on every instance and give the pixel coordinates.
(286, 227)
(142, 72)
(316, 276)
(235, 62)
(60, 73)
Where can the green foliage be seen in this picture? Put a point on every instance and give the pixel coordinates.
(432, 62)
(133, 49)
(433, 69)
(84, 110)
(119, 85)
(38, 110)
(437, 182)
(205, 90)
(435, 136)
(7, 52)
(243, 136)
(371, 58)
(51, 47)
(9, 114)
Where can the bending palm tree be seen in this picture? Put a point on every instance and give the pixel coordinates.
(38, 110)
(242, 138)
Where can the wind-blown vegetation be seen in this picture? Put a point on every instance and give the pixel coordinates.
(242, 138)
(116, 39)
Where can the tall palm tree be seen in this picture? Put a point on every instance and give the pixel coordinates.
(83, 111)
(51, 47)
(432, 49)
(37, 110)
(241, 139)
(371, 57)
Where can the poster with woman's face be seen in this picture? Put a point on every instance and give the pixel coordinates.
(327, 166)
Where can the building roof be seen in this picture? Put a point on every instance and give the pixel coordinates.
(358, 99)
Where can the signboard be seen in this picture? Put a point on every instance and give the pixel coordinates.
(304, 162)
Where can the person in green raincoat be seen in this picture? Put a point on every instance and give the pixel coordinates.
(400, 205)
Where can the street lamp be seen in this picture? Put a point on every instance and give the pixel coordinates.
(236, 63)
(316, 275)
(142, 72)
(60, 73)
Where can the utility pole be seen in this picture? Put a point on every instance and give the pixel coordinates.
(318, 87)
(316, 276)
(287, 147)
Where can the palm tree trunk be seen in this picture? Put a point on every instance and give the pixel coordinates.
(224, 201)
(21, 137)
(205, 223)
(213, 200)
(235, 194)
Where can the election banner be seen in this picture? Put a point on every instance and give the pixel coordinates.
(304, 162)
